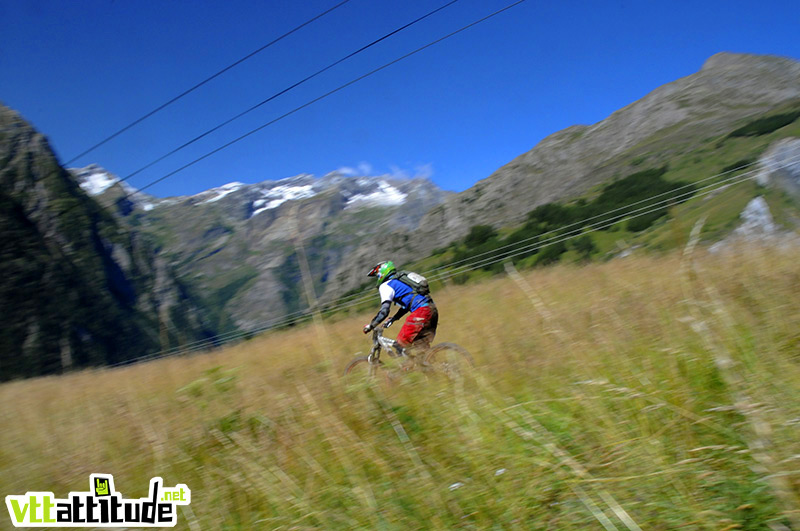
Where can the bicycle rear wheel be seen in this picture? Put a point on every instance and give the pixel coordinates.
(449, 359)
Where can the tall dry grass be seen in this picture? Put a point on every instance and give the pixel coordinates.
(645, 393)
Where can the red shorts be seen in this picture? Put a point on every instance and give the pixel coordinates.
(420, 327)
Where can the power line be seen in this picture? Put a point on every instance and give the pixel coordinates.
(582, 230)
(580, 225)
(322, 97)
(131, 193)
(339, 304)
(200, 84)
(285, 90)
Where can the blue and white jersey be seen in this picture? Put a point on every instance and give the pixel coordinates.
(395, 291)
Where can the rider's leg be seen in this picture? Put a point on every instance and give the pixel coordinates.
(420, 325)
(399, 350)
(428, 332)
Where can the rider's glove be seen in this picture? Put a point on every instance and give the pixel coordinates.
(388, 323)
(368, 328)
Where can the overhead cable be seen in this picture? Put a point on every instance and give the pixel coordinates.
(583, 221)
(284, 91)
(200, 84)
(322, 97)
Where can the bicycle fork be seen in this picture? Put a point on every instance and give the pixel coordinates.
(374, 356)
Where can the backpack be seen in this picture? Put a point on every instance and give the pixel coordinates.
(415, 281)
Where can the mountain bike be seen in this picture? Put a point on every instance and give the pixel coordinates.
(445, 358)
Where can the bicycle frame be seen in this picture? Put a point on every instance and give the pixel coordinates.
(378, 342)
(436, 358)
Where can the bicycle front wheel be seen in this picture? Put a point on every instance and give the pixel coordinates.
(361, 366)
(450, 359)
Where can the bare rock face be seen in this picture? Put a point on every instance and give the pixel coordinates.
(757, 222)
(780, 166)
(757, 228)
(728, 88)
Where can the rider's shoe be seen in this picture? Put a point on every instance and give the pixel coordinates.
(399, 351)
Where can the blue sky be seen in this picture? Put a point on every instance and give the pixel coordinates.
(81, 69)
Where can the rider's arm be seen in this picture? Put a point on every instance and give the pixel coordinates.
(387, 294)
(382, 313)
(400, 313)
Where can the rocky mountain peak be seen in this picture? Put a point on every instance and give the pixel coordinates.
(731, 60)
(729, 88)
(250, 200)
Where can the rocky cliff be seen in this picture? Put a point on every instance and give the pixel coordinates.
(76, 287)
(780, 166)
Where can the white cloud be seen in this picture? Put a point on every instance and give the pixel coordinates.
(365, 169)
(348, 171)
(398, 173)
(424, 171)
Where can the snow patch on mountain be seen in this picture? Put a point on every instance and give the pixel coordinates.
(276, 196)
(95, 180)
(385, 195)
(357, 192)
(220, 192)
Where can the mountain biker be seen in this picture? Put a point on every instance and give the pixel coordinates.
(420, 326)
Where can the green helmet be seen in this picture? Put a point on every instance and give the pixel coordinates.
(383, 271)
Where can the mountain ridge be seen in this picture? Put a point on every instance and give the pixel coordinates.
(359, 191)
(727, 89)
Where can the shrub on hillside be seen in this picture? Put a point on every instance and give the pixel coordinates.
(478, 235)
(763, 126)
(738, 165)
(584, 246)
(551, 254)
(640, 223)
(635, 194)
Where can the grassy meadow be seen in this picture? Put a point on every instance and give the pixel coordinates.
(642, 393)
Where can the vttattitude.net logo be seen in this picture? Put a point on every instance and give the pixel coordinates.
(102, 506)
